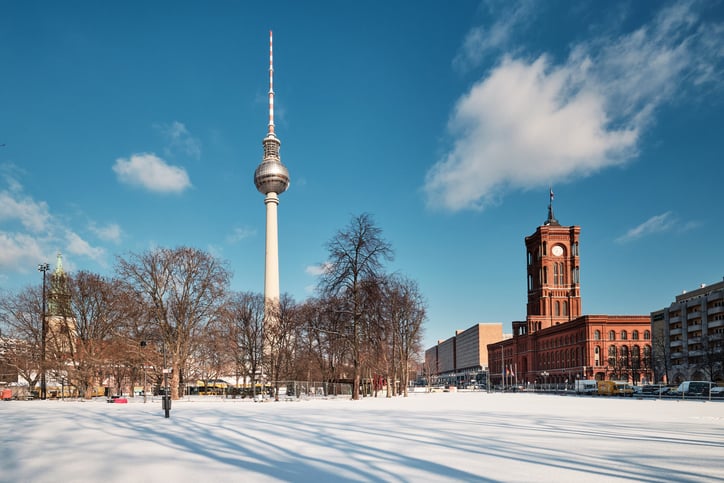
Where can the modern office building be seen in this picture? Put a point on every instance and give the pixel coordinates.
(463, 358)
(556, 344)
(689, 336)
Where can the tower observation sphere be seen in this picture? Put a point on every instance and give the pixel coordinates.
(271, 176)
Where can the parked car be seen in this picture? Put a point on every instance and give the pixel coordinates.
(717, 392)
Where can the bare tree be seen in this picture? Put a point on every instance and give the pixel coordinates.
(20, 315)
(97, 309)
(181, 289)
(281, 339)
(661, 356)
(356, 255)
(241, 326)
(406, 317)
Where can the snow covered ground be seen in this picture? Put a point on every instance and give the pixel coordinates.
(423, 438)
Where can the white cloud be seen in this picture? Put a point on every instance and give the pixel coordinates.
(528, 124)
(180, 140)
(111, 232)
(33, 215)
(151, 172)
(317, 270)
(78, 246)
(481, 41)
(34, 233)
(665, 222)
(20, 252)
(239, 234)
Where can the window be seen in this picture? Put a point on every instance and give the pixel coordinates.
(624, 335)
(558, 308)
(611, 335)
(565, 308)
(636, 357)
(635, 335)
(597, 335)
(612, 355)
(647, 335)
(624, 356)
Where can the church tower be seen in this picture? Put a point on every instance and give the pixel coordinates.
(554, 292)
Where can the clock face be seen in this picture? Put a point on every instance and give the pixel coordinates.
(557, 250)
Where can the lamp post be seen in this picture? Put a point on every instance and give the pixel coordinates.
(166, 401)
(43, 267)
(545, 379)
(165, 397)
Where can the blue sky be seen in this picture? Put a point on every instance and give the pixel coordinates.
(132, 125)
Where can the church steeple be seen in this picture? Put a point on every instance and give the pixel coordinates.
(59, 295)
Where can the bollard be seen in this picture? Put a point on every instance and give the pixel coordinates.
(166, 404)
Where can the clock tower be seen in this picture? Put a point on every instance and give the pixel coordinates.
(554, 293)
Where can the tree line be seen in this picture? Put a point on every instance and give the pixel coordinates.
(365, 324)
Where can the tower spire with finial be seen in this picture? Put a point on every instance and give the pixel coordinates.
(551, 219)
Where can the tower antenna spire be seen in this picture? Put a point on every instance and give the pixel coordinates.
(271, 84)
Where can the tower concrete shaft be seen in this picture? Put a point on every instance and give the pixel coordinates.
(271, 271)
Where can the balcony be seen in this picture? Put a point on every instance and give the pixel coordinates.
(675, 331)
(715, 310)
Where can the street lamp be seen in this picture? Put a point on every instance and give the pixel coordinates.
(43, 267)
(545, 378)
(166, 397)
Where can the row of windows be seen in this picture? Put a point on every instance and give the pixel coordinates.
(623, 335)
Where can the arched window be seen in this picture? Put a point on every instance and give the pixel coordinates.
(530, 282)
(635, 357)
(558, 308)
(612, 355)
(635, 335)
(597, 355)
(647, 335)
(611, 335)
(597, 335)
(565, 308)
(624, 356)
(624, 335)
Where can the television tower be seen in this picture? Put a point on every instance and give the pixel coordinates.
(271, 179)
